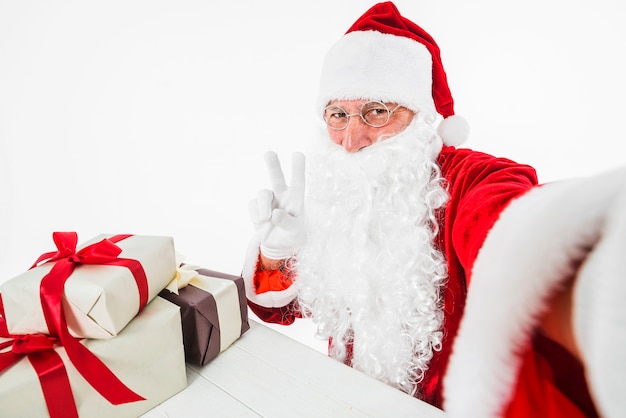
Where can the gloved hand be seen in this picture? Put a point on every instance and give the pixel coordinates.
(277, 214)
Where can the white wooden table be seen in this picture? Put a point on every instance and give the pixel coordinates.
(267, 374)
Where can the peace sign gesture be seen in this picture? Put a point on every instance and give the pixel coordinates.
(277, 214)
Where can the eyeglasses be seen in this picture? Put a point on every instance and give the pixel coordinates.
(374, 114)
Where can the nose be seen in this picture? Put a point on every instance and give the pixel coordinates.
(357, 135)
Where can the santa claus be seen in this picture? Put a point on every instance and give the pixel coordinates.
(445, 272)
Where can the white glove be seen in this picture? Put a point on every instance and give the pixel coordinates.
(277, 214)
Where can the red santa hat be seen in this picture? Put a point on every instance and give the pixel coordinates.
(385, 56)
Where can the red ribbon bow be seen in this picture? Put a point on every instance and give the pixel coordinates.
(31, 343)
(39, 348)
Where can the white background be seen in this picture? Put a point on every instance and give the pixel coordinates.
(151, 117)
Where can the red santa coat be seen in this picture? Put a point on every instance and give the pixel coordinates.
(480, 187)
(564, 235)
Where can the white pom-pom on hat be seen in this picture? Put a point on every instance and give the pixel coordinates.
(453, 130)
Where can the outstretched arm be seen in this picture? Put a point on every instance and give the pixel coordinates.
(552, 263)
(277, 215)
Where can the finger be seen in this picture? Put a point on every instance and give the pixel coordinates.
(296, 189)
(283, 220)
(253, 210)
(261, 207)
(277, 178)
(263, 230)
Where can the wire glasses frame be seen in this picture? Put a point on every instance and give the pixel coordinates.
(375, 114)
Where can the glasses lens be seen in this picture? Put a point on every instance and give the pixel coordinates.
(375, 114)
(336, 117)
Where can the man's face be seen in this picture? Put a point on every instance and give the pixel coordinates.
(358, 135)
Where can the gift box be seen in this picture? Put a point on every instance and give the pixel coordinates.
(214, 311)
(111, 277)
(147, 357)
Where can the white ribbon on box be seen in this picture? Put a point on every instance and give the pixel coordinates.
(99, 300)
(226, 297)
(148, 356)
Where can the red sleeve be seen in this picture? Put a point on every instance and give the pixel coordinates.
(552, 378)
(481, 187)
(285, 315)
(274, 281)
(271, 280)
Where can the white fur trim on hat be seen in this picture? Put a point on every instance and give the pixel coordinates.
(375, 66)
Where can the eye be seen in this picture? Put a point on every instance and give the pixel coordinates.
(374, 108)
(375, 114)
(336, 117)
(377, 111)
(334, 113)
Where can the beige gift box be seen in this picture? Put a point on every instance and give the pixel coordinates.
(99, 300)
(147, 356)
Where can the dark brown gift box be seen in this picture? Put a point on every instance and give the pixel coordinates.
(200, 317)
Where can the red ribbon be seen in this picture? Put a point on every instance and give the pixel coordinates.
(39, 348)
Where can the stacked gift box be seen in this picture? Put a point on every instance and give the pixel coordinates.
(83, 333)
(213, 310)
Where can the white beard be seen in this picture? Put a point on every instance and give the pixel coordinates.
(368, 272)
